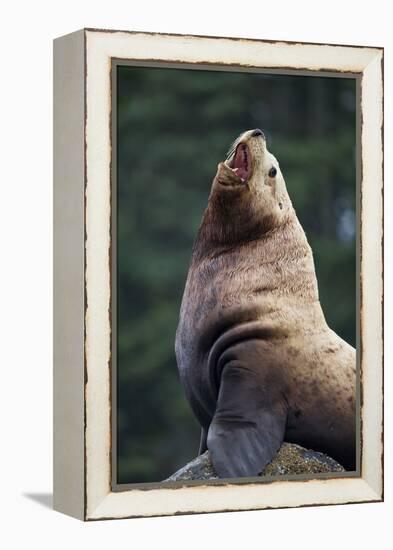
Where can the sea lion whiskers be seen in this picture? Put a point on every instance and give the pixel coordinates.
(232, 148)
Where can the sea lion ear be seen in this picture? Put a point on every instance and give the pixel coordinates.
(245, 433)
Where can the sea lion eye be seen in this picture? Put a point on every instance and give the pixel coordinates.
(272, 172)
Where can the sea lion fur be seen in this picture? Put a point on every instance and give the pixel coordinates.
(257, 360)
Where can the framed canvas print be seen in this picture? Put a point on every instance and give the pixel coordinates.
(218, 272)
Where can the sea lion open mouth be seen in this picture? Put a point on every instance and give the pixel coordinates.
(241, 162)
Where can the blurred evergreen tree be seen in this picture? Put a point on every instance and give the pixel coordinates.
(174, 126)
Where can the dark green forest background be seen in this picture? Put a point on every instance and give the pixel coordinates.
(174, 126)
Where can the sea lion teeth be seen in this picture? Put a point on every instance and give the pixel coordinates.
(257, 360)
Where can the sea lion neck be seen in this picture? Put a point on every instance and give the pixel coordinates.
(228, 220)
(232, 220)
(281, 255)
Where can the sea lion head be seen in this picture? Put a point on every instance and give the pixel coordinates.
(255, 173)
(248, 198)
(248, 194)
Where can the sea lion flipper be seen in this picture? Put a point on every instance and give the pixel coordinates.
(247, 429)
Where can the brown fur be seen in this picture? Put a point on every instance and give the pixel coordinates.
(251, 296)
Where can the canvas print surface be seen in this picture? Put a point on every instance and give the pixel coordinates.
(236, 274)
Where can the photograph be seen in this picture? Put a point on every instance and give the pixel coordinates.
(236, 273)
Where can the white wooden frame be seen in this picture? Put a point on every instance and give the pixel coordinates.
(82, 334)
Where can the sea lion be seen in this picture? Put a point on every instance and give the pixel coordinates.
(257, 360)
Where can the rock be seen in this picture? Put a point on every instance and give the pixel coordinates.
(290, 459)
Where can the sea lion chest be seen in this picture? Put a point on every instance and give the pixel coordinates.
(230, 298)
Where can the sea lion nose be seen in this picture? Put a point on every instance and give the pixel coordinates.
(257, 132)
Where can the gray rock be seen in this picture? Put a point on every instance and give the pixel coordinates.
(290, 459)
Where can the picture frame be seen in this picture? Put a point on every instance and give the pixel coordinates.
(84, 290)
